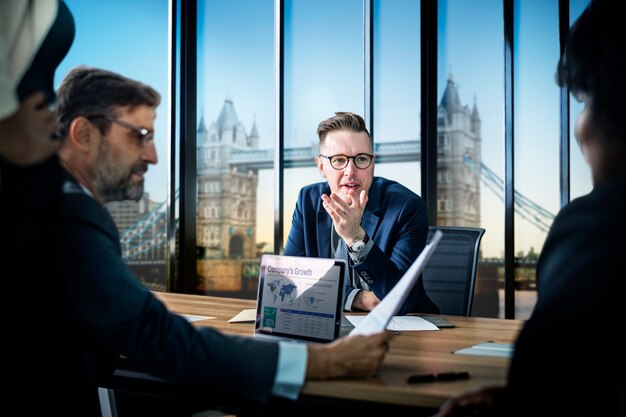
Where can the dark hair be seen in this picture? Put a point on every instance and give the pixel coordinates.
(593, 63)
(342, 120)
(90, 92)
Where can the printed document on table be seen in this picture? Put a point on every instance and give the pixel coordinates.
(191, 318)
(245, 315)
(401, 323)
(501, 350)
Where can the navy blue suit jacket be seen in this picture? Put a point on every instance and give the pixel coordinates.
(396, 220)
(90, 309)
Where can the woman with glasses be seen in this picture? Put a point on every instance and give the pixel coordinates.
(378, 226)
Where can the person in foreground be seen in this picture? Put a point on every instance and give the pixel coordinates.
(35, 36)
(570, 356)
(381, 224)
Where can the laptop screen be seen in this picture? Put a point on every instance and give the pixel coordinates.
(300, 298)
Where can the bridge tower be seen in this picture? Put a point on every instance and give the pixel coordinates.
(458, 135)
(226, 227)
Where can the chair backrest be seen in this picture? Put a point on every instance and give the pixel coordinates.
(450, 275)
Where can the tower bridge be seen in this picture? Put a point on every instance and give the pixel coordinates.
(401, 151)
(398, 151)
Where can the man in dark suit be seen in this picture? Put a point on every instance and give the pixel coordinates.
(570, 357)
(91, 308)
(381, 225)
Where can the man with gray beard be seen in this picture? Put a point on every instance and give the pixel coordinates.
(108, 137)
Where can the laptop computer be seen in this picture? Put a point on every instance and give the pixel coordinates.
(300, 299)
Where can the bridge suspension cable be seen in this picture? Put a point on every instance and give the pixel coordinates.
(526, 208)
(134, 244)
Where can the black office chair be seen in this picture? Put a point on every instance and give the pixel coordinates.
(450, 275)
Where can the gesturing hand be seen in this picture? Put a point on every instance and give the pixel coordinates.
(346, 212)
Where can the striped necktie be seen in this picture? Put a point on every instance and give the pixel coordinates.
(342, 253)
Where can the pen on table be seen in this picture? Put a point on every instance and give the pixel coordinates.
(444, 376)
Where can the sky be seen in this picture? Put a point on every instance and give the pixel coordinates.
(324, 74)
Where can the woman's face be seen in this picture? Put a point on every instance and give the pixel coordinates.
(600, 152)
(582, 128)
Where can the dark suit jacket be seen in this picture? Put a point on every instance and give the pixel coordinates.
(570, 357)
(89, 308)
(396, 220)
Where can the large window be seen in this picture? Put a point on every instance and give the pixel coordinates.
(396, 76)
(326, 68)
(108, 36)
(536, 127)
(235, 141)
(323, 75)
(471, 136)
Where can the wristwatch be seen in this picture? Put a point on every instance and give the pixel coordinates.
(359, 244)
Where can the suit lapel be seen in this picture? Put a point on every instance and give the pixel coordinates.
(370, 220)
(324, 223)
(369, 223)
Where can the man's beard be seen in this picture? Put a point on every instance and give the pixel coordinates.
(115, 183)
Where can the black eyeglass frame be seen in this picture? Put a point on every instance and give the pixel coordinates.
(348, 158)
(145, 134)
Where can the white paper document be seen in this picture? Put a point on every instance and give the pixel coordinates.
(377, 320)
(501, 350)
(246, 315)
(191, 318)
(401, 323)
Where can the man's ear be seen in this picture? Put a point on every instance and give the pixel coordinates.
(320, 165)
(81, 133)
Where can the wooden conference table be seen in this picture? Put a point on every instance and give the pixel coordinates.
(388, 392)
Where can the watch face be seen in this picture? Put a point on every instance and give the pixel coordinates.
(357, 246)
